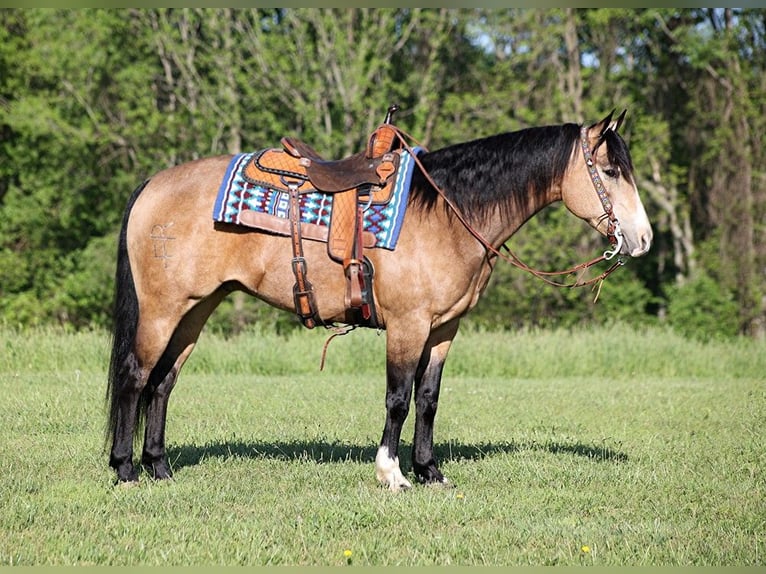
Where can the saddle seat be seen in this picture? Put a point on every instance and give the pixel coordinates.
(372, 166)
(298, 164)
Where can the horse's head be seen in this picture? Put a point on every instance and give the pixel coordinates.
(601, 189)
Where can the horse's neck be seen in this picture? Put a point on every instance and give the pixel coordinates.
(505, 222)
(500, 182)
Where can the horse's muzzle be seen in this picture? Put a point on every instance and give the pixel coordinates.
(640, 245)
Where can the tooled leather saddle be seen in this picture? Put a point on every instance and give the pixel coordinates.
(355, 181)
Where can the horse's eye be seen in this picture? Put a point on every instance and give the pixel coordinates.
(612, 172)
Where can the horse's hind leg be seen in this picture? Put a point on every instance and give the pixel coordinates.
(153, 457)
(124, 415)
(128, 391)
(163, 379)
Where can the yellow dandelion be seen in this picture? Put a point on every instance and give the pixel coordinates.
(347, 553)
(585, 549)
(460, 496)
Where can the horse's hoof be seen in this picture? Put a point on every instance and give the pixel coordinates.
(160, 473)
(430, 475)
(388, 472)
(395, 482)
(158, 470)
(126, 473)
(163, 478)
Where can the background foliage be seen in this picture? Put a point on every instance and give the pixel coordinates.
(93, 101)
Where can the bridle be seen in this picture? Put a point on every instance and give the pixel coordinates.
(614, 234)
(613, 231)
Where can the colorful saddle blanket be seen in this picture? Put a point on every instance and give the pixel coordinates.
(242, 202)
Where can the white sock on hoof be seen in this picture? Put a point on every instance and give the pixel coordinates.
(388, 472)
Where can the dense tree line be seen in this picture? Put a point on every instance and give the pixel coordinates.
(93, 101)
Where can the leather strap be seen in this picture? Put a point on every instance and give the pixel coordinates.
(353, 265)
(303, 290)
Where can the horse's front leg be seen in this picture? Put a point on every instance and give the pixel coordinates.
(427, 386)
(403, 351)
(398, 395)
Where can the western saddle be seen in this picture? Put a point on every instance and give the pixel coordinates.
(355, 181)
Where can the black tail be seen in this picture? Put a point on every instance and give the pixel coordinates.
(124, 318)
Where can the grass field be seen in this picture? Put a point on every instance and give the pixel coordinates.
(605, 447)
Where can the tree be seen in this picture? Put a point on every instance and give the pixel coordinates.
(718, 118)
(94, 101)
(64, 156)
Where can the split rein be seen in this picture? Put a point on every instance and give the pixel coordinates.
(613, 228)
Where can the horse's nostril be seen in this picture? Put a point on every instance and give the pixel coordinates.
(646, 241)
(644, 244)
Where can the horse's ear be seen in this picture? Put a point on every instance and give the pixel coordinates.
(615, 125)
(599, 129)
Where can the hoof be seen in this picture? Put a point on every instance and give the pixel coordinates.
(430, 475)
(158, 470)
(126, 472)
(388, 472)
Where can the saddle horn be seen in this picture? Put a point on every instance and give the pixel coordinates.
(390, 113)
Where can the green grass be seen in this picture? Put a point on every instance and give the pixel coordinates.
(639, 445)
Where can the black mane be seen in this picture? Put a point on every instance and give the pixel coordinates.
(506, 171)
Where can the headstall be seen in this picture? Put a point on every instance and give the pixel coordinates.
(613, 231)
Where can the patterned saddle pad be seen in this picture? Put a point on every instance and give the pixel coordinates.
(242, 202)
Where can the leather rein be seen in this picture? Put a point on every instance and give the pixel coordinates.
(613, 233)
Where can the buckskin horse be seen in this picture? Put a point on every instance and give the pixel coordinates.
(175, 265)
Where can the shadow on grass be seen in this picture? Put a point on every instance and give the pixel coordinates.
(324, 452)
